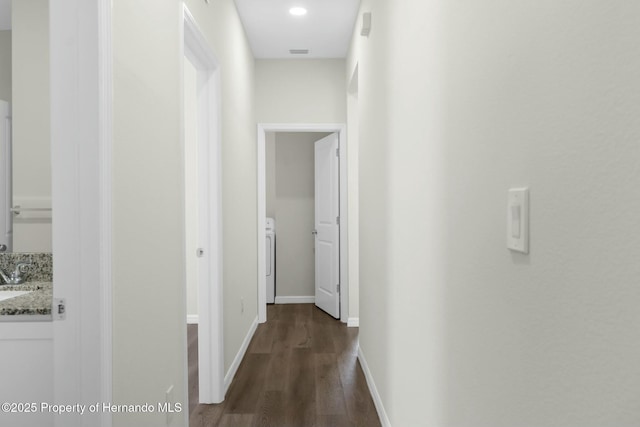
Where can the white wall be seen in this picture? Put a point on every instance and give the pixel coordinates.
(148, 216)
(149, 270)
(311, 91)
(270, 174)
(458, 331)
(33, 234)
(5, 65)
(31, 127)
(220, 24)
(295, 212)
(300, 91)
(191, 184)
(295, 262)
(353, 136)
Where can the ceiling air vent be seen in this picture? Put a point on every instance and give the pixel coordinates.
(299, 51)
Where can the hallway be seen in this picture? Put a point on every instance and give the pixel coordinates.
(300, 370)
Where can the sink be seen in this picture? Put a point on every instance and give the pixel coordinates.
(5, 295)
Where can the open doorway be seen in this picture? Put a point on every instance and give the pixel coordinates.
(302, 207)
(203, 220)
(339, 281)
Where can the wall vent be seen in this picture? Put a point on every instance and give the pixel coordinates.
(299, 51)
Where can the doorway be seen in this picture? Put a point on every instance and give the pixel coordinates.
(203, 202)
(340, 131)
(302, 208)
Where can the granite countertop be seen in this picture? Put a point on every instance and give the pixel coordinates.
(38, 302)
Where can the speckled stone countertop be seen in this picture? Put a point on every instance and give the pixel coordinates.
(37, 302)
(40, 265)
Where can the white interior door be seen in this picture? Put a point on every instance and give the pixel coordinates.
(6, 216)
(327, 228)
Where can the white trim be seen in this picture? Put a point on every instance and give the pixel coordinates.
(192, 319)
(210, 292)
(6, 190)
(185, 337)
(80, 78)
(296, 300)
(240, 355)
(105, 76)
(344, 225)
(377, 401)
(263, 128)
(353, 322)
(262, 214)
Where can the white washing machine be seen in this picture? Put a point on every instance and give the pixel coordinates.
(271, 260)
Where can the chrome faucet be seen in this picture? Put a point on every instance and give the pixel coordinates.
(15, 278)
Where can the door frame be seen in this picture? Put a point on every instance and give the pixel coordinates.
(81, 58)
(6, 190)
(210, 295)
(341, 129)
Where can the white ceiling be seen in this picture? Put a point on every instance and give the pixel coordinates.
(5, 15)
(325, 30)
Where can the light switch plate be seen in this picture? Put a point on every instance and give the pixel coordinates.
(518, 220)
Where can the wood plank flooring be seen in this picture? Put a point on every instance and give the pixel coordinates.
(192, 360)
(300, 370)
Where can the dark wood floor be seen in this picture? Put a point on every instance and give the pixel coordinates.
(192, 357)
(300, 370)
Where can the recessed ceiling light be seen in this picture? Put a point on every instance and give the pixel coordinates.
(298, 11)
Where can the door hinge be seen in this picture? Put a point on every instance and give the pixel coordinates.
(338, 288)
(338, 152)
(59, 309)
(338, 220)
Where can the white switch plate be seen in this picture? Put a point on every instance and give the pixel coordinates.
(518, 220)
(59, 308)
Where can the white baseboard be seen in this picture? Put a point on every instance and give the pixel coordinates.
(353, 322)
(192, 319)
(377, 401)
(236, 361)
(296, 300)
